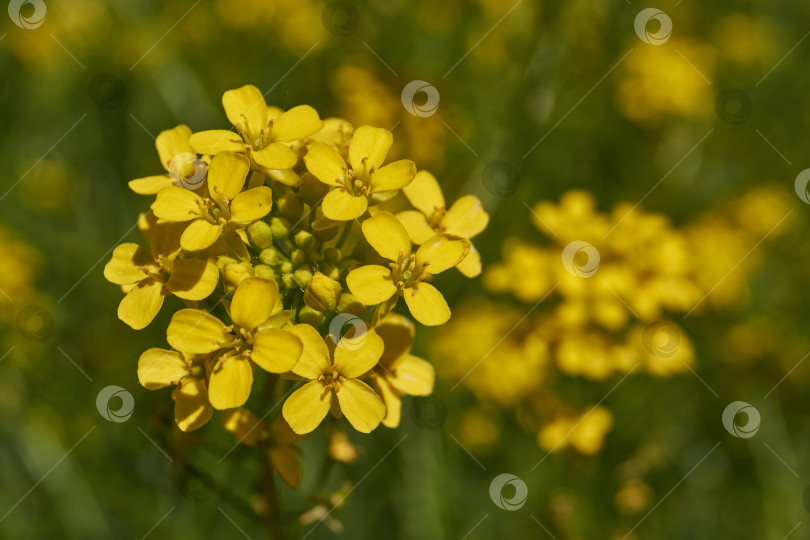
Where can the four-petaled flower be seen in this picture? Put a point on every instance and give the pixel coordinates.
(374, 284)
(334, 381)
(237, 345)
(354, 186)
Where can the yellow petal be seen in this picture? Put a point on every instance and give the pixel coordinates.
(174, 203)
(470, 266)
(276, 351)
(393, 176)
(159, 368)
(417, 226)
(340, 205)
(244, 425)
(325, 163)
(246, 106)
(195, 331)
(387, 236)
(193, 279)
(288, 177)
(297, 123)
(315, 355)
(251, 205)
(307, 407)
(227, 174)
(371, 143)
(139, 307)
(412, 375)
(253, 302)
(231, 380)
(151, 184)
(275, 156)
(217, 140)
(424, 193)
(397, 333)
(442, 251)
(392, 400)
(466, 218)
(371, 284)
(123, 268)
(192, 409)
(172, 142)
(287, 463)
(427, 305)
(200, 234)
(164, 237)
(357, 356)
(362, 407)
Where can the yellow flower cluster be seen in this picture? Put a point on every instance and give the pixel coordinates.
(600, 308)
(272, 237)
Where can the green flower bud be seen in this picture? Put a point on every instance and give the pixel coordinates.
(324, 235)
(286, 267)
(304, 240)
(310, 316)
(234, 273)
(332, 254)
(349, 304)
(322, 293)
(290, 206)
(298, 257)
(224, 260)
(302, 276)
(271, 257)
(280, 227)
(288, 281)
(264, 271)
(260, 234)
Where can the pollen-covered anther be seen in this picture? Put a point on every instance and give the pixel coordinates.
(239, 129)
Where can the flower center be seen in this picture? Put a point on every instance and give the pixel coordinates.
(407, 271)
(331, 378)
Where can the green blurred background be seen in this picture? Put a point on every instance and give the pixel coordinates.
(557, 95)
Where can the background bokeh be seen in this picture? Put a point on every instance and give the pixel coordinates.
(561, 118)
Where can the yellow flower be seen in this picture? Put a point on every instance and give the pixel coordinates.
(399, 373)
(225, 209)
(261, 130)
(334, 382)
(366, 177)
(176, 156)
(148, 276)
(322, 292)
(159, 368)
(374, 284)
(465, 218)
(238, 345)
